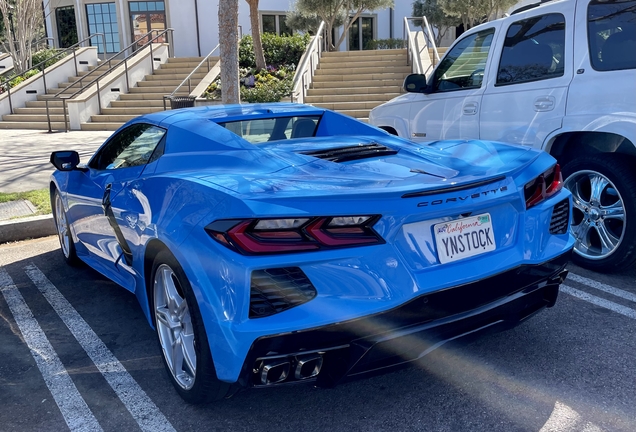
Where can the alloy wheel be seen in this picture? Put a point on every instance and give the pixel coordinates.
(174, 326)
(62, 226)
(598, 215)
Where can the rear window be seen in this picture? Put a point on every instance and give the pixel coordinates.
(273, 129)
(611, 32)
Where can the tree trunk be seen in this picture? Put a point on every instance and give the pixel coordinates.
(256, 35)
(228, 40)
(21, 30)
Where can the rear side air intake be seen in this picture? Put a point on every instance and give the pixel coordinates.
(560, 218)
(278, 289)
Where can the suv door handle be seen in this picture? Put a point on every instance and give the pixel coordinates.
(471, 108)
(544, 103)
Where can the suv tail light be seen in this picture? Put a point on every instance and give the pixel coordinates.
(543, 187)
(288, 235)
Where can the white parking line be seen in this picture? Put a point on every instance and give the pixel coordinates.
(140, 406)
(77, 415)
(603, 287)
(623, 310)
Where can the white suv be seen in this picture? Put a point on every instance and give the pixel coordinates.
(560, 76)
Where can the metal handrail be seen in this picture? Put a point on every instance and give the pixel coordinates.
(413, 57)
(314, 49)
(431, 40)
(206, 59)
(109, 70)
(110, 61)
(411, 49)
(43, 70)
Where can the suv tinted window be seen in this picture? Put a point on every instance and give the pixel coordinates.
(611, 33)
(533, 50)
(463, 66)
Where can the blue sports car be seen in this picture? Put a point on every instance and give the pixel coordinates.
(277, 243)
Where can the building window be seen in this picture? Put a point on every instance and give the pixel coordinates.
(275, 23)
(102, 18)
(146, 16)
(66, 28)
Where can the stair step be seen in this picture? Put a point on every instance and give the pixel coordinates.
(365, 53)
(348, 72)
(32, 118)
(41, 103)
(181, 71)
(179, 77)
(137, 103)
(363, 64)
(386, 58)
(136, 111)
(168, 83)
(329, 91)
(32, 125)
(39, 111)
(358, 83)
(189, 59)
(367, 79)
(94, 126)
(340, 106)
(331, 98)
(155, 89)
(121, 118)
(364, 113)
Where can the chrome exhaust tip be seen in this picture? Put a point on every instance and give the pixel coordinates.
(275, 371)
(307, 366)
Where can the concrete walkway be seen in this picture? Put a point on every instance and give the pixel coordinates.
(24, 155)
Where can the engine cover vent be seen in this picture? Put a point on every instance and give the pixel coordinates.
(349, 153)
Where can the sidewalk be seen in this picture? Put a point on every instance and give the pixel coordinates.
(24, 166)
(24, 155)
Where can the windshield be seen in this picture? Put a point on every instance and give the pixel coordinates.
(273, 129)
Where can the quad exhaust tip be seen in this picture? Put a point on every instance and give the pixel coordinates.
(277, 370)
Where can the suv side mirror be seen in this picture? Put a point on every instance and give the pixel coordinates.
(65, 160)
(416, 83)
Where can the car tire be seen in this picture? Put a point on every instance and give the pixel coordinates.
(63, 230)
(604, 211)
(179, 325)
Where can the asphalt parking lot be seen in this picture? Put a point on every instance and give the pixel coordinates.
(77, 354)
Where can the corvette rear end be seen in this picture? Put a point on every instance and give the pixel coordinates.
(276, 244)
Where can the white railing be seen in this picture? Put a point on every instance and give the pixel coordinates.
(307, 66)
(419, 39)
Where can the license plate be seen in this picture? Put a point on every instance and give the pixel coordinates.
(463, 238)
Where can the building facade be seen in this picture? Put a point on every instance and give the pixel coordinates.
(195, 22)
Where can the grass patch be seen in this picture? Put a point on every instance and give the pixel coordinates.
(40, 198)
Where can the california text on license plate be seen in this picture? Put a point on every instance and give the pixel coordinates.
(463, 238)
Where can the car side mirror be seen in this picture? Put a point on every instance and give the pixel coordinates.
(416, 83)
(65, 160)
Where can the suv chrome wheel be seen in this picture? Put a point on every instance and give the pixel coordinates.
(174, 327)
(598, 216)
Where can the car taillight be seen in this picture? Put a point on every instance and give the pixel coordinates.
(287, 235)
(544, 186)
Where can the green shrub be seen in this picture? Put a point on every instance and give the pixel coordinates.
(48, 55)
(268, 85)
(278, 50)
(384, 44)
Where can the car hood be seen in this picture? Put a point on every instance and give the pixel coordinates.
(371, 165)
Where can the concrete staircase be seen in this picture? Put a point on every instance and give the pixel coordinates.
(33, 115)
(147, 95)
(354, 82)
(144, 98)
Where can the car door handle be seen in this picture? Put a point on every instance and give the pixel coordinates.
(470, 108)
(544, 103)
